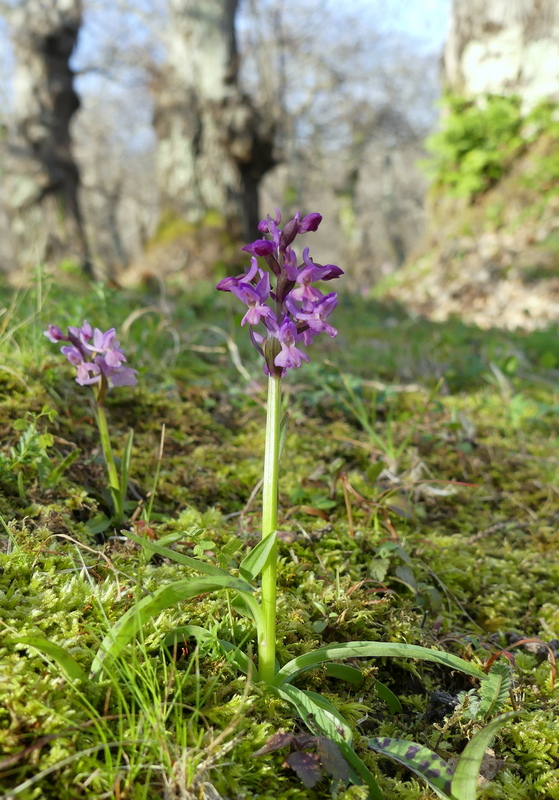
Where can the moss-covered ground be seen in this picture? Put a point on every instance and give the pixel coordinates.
(419, 503)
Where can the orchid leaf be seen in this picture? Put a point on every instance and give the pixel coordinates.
(320, 715)
(62, 657)
(251, 566)
(389, 697)
(424, 762)
(184, 632)
(98, 524)
(132, 621)
(239, 659)
(464, 782)
(372, 650)
(248, 606)
(179, 558)
(344, 672)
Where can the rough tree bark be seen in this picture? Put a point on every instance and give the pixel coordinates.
(213, 148)
(41, 180)
(504, 47)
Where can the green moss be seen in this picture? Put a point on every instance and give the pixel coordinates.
(456, 569)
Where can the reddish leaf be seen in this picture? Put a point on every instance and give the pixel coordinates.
(276, 741)
(307, 766)
(332, 759)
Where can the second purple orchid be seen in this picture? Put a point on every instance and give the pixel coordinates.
(282, 297)
(97, 355)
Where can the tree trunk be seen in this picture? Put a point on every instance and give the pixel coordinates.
(504, 47)
(40, 187)
(213, 148)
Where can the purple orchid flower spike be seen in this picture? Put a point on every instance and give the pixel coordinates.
(283, 299)
(97, 356)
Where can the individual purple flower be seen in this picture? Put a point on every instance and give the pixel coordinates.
(310, 222)
(310, 273)
(226, 284)
(255, 298)
(261, 247)
(290, 356)
(105, 344)
(268, 225)
(54, 334)
(80, 336)
(119, 376)
(315, 317)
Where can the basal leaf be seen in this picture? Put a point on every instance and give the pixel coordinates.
(464, 782)
(344, 672)
(62, 657)
(424, 762)
(130, 623)
(389, 697)
(372, 650)
(252, 565)
(178, 558)
(320, 715)
(248, 606)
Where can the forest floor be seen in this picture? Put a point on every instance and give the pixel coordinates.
(419, 503)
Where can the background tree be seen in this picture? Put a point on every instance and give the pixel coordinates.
(504, 47)
(212, 146)
(40, 185)
(175, 125)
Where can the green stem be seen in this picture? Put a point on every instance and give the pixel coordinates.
(114, 483)
(267, 633)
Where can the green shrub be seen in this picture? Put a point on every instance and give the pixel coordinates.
(480, 139)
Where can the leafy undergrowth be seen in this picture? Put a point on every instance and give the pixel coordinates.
(418, 503)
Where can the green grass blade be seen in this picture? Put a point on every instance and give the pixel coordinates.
(125, 464)
(252, 565)
(130, 623)
(320, 715)
(372, 650)
(464, 782)
(424, 762)
(179, 558)
(62, 657)
(283, 432)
